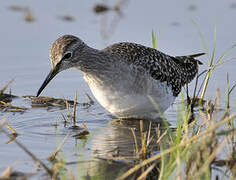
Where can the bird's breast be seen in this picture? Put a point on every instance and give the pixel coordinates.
(129, 97)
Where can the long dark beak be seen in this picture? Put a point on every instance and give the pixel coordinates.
(50, 76)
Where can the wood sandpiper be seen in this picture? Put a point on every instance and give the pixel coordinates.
(124, 75)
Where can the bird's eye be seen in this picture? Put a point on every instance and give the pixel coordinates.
(67, 55)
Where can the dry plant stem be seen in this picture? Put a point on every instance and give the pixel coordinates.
(135, 141)
(53, 155)
(182, 144)
(14, 133)
(12, 130)
(143, 140)
(63, 117)
(206, 83)
(74, 112)
(146, 172)
(12, 139)
(6, 173)
(163, 134)
(210, 159)
(91, 101)
(49, 171)
(85, 126)
(6, 86)
(149, 133)
(144, 147)
(68, 108)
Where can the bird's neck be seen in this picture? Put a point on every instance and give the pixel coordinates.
(96, 62)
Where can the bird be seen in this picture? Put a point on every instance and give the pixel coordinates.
(124, 76)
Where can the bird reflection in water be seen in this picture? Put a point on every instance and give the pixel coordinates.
(123, 144)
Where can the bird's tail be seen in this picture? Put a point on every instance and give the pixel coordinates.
(196, 55)
(189, 65)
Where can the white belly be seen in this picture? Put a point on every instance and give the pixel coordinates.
(124, 101)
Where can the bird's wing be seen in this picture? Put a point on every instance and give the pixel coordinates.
(176, 71)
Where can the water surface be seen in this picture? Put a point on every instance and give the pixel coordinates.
(24, 58)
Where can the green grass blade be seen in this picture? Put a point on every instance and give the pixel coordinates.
(214, 47)
(154, 40)
(220, 60)
(202, 39)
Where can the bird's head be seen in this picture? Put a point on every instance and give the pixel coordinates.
(64, 54)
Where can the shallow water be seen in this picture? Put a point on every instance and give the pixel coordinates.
(24, 58)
